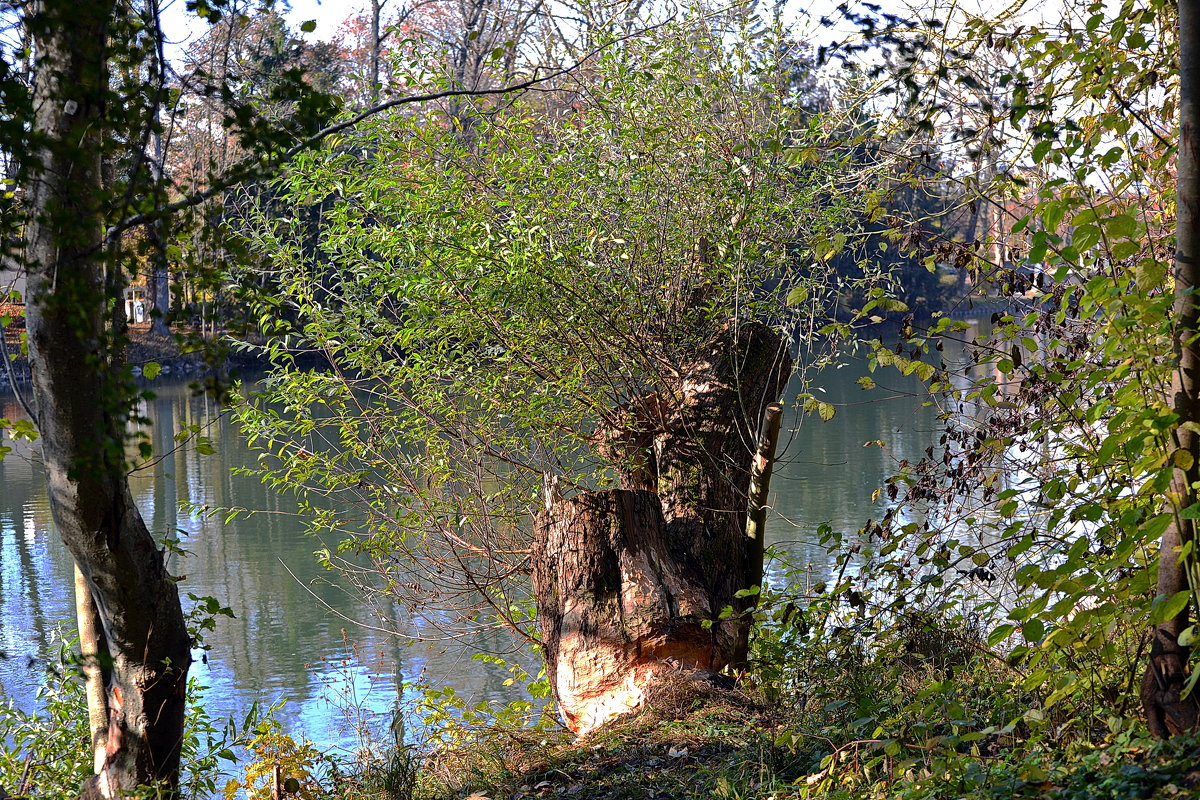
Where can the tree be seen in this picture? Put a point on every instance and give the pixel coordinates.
(81, 408)
(1078, 457)
(1168, 687)
(78, 138)
(563, 314)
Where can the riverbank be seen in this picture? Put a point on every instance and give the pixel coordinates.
(727, 745)
(182, 352)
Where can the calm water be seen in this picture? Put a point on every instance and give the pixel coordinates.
(293, 636)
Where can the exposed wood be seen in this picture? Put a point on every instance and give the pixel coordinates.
(615, 604)
(92, 649)
(760, 487)
(637, 580)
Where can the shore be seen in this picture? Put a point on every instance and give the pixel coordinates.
(180, 353)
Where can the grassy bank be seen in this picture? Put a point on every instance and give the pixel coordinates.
(704, 746)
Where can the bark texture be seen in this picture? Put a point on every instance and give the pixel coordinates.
(633, 581)
(1167, 712)
(93, 650)
(81, 404)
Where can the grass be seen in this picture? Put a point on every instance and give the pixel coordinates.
(709, 746)
(693, 741)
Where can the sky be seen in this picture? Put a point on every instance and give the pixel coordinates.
(182, 26)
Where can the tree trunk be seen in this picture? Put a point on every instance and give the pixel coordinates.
(632, 582)
(93, 651)
(1166, 675)
(82, 401)
(373, 87)
(158, 283)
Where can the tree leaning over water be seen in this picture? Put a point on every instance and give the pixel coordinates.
(78, 138)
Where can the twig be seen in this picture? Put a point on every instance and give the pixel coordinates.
(251, 167)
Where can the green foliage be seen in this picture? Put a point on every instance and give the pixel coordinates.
(47, 753)
(1037, 516)
(486, 298)
(276, 757)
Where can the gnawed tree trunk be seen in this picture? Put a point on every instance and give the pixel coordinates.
(632, 582)
(81, 404)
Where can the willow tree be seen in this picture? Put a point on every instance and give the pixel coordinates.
(548, 348)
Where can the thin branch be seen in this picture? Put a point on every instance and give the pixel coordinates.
(253, 167)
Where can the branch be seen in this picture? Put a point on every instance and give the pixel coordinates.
(252, 167)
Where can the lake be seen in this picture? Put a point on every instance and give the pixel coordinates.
(301, 635)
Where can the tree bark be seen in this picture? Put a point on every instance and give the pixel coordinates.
(1167, 712)
(82, 401)
(760, 486)
(158, 283)
(634, 581)
(373, 87)
(93, 650)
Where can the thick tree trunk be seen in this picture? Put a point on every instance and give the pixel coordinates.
(634, 581)
(1163, 684)
(80, 404)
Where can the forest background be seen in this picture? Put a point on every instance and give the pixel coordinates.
(468, 232)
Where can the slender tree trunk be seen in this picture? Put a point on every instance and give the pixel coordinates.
(1167, 673)
(158, 287)
(81, 403)
(94, 651)
(633, 583)
(376, 46)
(760, 487)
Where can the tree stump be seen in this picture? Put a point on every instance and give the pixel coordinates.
(631, 582)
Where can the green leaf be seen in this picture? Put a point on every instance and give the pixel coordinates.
(1165, 608)
(1125, 249)
(1085, 238)
(1001, 633)
(151, 369)
(309, 26)
(797, 296)
(1155, 526)
(1122, 226)
(1188, 637)
(1033, 630)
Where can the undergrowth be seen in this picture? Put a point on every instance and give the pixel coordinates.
(836, 705)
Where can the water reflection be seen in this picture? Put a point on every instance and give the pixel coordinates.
(294, 636)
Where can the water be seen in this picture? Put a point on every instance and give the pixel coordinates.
(302, 636)
(298, 634)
